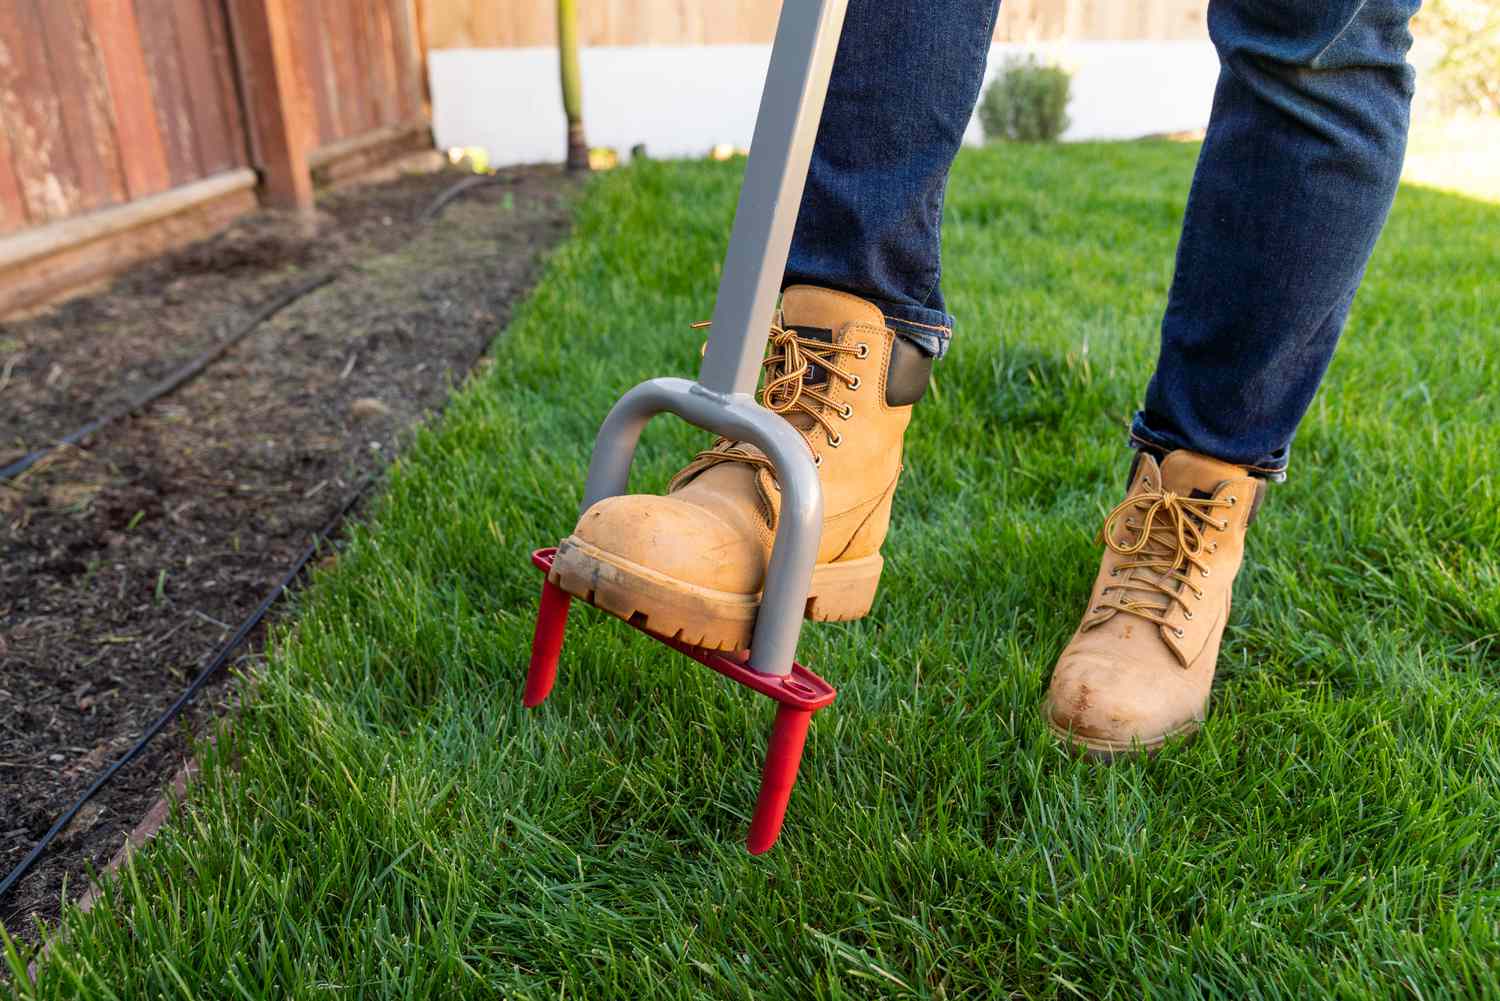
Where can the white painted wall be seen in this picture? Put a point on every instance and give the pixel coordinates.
(681, 101)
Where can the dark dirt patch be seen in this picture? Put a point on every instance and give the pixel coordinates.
(125, 563)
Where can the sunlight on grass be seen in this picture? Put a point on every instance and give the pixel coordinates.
(385, 820)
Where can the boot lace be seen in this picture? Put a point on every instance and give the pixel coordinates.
(787, 392)
(1168, 547)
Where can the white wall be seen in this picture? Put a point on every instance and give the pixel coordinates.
(680, 101)
(1125, 90)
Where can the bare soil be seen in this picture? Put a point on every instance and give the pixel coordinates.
(125, 563)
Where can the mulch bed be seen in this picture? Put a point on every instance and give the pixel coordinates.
(125, 563)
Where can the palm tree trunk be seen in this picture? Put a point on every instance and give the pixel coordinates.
(572, 88)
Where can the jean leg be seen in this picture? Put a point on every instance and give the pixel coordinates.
(1293, 185)
(905, 81)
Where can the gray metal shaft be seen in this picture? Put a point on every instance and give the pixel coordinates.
(790, 106)
(799, 528)
(722, 400)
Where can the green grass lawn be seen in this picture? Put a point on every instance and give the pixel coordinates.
(386, 821)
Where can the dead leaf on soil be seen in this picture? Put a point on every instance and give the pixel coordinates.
(86, 819)
(368, 406)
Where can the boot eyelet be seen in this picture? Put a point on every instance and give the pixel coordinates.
(817, 460)
(1205, 571)
(1233, 500)
(847, 412)
(1097, 609)
(1106, 590)
(863, 350)
(1115, 572)
(855, 382)
(1213, 547)
(1188, 612)
(835, 440)
(1180, 633)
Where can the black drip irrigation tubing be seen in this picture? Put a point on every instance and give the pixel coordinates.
(461, 188)
(185, 373)
(219, 659)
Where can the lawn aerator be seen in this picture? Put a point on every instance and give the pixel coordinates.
(722, 401)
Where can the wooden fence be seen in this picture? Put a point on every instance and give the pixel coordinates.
(121, 114)
(97, 112)
(361, 61)
(452, 24)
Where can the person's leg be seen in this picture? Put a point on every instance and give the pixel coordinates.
(904, 85)
(861, 317)
(1293, 185)
(1296, 176)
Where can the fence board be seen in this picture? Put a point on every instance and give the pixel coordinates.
(32, 117)
(344, 33)
(337, 30)
(169, 90)
(410, 52)
(528, 23)
(317, 72)
(222, 56)
(143, 158)
(539, 21)
(366, 63)
(12, 205)
(78, 76)
(211, 133)
(357, 15)
(383, 58)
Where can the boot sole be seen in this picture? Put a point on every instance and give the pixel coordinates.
(1107, 751)
(702, 616)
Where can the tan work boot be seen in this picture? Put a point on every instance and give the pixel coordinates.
(690, 565)
(1139, 668)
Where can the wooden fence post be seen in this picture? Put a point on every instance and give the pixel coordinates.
(275, 104)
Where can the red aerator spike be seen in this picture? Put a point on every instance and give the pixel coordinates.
(546, 643)
(799, 694)
(783, 755)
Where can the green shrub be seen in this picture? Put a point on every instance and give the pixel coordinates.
(1027, 102)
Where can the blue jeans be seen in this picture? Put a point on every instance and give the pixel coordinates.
(1293, 185)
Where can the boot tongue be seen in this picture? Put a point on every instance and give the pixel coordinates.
(1189, 474)
(816, 375)
(816, 314)
(1186, 474)
(806, 306)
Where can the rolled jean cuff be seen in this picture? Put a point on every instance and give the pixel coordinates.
(928, 329)
(1267, 467)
